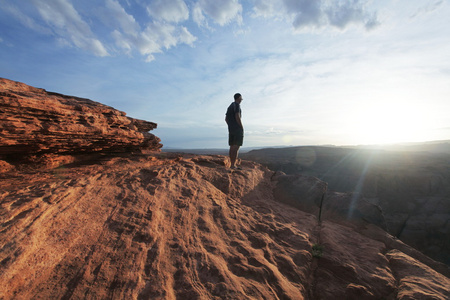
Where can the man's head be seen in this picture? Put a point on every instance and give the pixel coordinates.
(238, 98)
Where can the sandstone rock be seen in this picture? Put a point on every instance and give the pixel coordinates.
(5, 167)
(310, 194)
(345, 270)
(410, 189)
(35, 122)
(158, 226)
(352, 206)
(414, 280)
(303, 192)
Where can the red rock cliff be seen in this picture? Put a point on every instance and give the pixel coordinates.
(165, 226)
(158, 226)
(35, 122)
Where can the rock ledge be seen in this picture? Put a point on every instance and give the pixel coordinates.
(34, 121)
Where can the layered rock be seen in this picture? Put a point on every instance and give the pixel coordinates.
(163, 226)
(36, 122)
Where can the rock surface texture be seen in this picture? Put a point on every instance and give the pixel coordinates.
(153, 225)
(36, 122)
(160, 226)
(406, 193)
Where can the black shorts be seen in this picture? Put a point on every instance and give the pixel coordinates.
(235, 139)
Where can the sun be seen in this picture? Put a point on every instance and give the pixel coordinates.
(387, 123)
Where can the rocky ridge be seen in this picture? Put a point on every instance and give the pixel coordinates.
(91, 221)
(35, 124)
(160, 226)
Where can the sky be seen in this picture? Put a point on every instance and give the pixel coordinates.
(311, 72)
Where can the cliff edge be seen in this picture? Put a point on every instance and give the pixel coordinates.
(37, 123)
(160, 226)
(80, 218)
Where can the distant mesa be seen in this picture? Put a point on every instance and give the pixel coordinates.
(37, 122)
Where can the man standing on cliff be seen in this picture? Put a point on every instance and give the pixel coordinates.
(235, 129)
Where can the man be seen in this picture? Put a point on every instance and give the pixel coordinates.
(235, 129)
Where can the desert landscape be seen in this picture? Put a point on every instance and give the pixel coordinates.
(90, 208)
(409, 185)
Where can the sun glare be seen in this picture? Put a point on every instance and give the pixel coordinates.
(385, 123)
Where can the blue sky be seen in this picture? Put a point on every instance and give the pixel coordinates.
(311, 72)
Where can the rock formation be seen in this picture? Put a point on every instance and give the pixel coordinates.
(311, 195)
(153, 225)
(407, 193)
(163, 226)
(34, 122)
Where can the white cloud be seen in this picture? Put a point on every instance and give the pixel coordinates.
(117, 13)
(266, 8)
(222, 12)
(166, 24)
(372, 22)
(68, 24)
(185, 36)
(23, 18)
(122, 41)
(157, 35)
(198, 16)
(305, 13)
(163, 34)
(342, 14)
(314, 14)
(168, 10)
(154, 38)
(428, 8)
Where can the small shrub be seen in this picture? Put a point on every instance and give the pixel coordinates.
(317, 251)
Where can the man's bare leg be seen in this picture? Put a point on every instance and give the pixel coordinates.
(234, 149)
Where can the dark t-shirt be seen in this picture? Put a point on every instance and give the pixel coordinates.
(233, 126)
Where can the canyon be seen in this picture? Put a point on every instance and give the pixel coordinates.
(92, 209)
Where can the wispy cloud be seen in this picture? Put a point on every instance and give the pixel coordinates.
(21, 15)
(162, 24)
(307, 76)
(221, 12)
(67, 24)
(159, 35)
(168, 10)
(161, 31)
(427, 8)
(341, 14)
(116, 15)
(315, 14)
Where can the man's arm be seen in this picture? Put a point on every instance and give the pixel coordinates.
(238, 120)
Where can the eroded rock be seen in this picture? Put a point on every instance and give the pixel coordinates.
(156, 226)
(36, 122)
